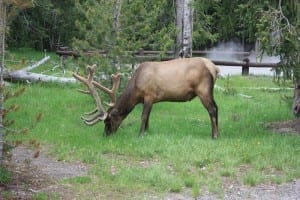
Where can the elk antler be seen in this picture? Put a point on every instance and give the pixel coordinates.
(111, 92)
(99, 113)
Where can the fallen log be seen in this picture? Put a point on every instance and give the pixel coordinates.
(29, 77)
(23, 75)
(35, 65)
(68, 53)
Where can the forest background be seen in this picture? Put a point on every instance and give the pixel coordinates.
(120, 27)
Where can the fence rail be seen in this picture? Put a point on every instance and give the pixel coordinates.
(149, 55)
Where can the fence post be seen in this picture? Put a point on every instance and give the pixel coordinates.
(245, 67)
(141, 52)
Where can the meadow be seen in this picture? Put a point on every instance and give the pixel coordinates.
(177, 153)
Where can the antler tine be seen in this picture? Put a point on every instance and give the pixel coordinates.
(93, 120)
(113, 91)
(99, 113)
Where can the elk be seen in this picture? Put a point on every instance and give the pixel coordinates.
(177, 80)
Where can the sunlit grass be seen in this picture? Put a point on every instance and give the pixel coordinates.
(177, 151)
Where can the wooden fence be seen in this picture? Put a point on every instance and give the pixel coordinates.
(146, 55)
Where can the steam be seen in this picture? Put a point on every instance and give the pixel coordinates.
(225, 51)
(233, 51)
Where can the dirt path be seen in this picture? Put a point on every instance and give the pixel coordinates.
(287, 191)
(286, 127)
(38, 175)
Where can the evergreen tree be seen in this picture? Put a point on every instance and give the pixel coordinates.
(279, 34)
(7, 10)
(142, 24)
(47, 24)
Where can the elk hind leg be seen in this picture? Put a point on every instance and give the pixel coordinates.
(212, 108)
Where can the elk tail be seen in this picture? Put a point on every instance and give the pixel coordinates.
(214, 70)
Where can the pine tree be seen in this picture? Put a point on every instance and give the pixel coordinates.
(7, 10)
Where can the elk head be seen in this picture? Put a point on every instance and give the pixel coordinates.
(99, 114)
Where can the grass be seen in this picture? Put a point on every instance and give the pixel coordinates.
(17, 58)
(177, 152)
(44, 196)
(5, 175)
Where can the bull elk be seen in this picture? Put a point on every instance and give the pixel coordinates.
(177, 80)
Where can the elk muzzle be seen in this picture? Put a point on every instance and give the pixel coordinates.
(112, 124)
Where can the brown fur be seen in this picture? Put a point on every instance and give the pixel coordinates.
(176, 80)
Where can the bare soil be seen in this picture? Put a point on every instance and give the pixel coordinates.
(35, 174)
(286, 127)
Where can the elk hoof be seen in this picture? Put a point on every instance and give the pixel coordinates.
(215, 136)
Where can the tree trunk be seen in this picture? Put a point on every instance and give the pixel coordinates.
(184, 24)
(116, 27)
(117, 8)
(296, 103)
(296, 71)
(179, 25)
(2, 52)
(187, 28)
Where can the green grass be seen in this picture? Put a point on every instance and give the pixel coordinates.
(177, 152)
(5, 175)
(17, 58)
(44, 196)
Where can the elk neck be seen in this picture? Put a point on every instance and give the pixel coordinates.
(127, 100)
